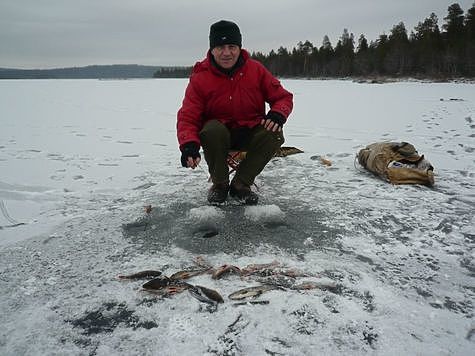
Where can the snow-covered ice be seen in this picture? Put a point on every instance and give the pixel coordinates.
(80, 159)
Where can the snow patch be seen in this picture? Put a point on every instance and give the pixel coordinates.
(264, 213)
(206, 213)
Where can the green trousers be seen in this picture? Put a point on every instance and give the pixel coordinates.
(217, 140)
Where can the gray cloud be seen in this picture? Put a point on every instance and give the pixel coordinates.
(59, 33)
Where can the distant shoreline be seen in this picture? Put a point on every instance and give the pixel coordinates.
(355, 80)
(134, 71)
(113, 71)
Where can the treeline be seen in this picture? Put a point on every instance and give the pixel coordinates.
(427, 51)
(114, 71)
(173, 72)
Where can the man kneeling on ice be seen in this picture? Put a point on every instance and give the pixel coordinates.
(224, 109)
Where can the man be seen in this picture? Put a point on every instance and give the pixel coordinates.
(224, 109)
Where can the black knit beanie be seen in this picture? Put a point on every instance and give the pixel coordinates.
(224, 32)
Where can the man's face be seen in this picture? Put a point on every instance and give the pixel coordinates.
(226, 55)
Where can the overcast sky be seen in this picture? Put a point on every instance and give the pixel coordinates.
(64, 33)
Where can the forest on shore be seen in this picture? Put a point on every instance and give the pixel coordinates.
(429, 51)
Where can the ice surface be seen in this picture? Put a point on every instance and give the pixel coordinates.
(80, 159)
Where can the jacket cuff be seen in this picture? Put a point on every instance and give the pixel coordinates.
(276, 117)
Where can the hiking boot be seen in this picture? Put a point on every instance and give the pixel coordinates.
(218, 193)
(243, 192)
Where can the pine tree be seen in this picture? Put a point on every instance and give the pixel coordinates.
(326, 46)
(304, 52)
(454, 26)
(326, 56)
(363, 64)
(362, 44)
(397, 59)
(469, 23)
(344, 53)
(379, 50)
(454, 30)
(428, 47)
(283, 61)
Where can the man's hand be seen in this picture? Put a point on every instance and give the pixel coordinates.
(190, 155)
(273, 121)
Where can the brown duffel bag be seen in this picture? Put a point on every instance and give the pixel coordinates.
(397, 162)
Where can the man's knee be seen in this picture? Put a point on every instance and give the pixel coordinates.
(271, 138)
(279, 139)
(214, 131)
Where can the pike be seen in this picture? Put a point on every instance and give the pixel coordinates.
(287, 151)
(141, 275)
(205, 295)
(165, 286)
(251, 292)
(294, 273)
(157, 283)
(283, 151)
(168, 290)
(254, 268)
(252, 302)
(186, 274)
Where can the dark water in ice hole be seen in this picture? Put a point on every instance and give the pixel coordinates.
(292, 231)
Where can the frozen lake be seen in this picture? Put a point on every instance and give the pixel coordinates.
(79, 159)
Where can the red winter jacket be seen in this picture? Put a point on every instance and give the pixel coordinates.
(236, 101)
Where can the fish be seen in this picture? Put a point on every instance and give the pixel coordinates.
(225, 269)
(294, 273)
(287, 151)
(254, 268)
(265, 272)
(141, 275)
(325, 161)
(238, 156)
(169, 290)
(157, 283)
(252, 302)
(165, 286)
(205, 295)
(322, 160)
(251, 292)
(186, 274)
(268, 272)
